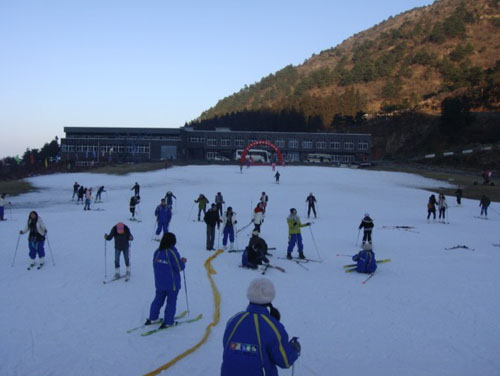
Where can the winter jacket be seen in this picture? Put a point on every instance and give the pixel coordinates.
(88, 194)
(202, 202)
(100, 190)
(367, 224)
(258, 215)
(311, 200)
(121, 240)
(212, 218)
(229, 220)
(258, 243)
(169, 197)
(366, 262)
(442, 203)
(36, 228)
(255, 343)
(133, 202)
(167, 265)
(294, 224)
(219, 199)
(485, 202)
(163, 214)
(252, 257)
(3, 202)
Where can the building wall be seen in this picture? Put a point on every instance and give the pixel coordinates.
(145, 144)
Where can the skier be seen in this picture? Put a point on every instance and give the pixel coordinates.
(75, 190)
(211, 219)
(36, 238)
(169, 196)
(136, 188)
(365, 259)
(273, 165)
(277, 177)
(167, 266)
(442, 205)
(3, 203)
(431, 207)
(255, 342)
(88, 196)
(133, 202)
(229, 221)
(458, 193)
(219, 200)
(484, 203)
(81, 193)
(294, 235)
(258, 216)
(367, 226)
(202, 202)
(255, 253)
(264, 199)
(163, 217)
(258, 243)
(122, 236)
(311, 205)
(99, 192)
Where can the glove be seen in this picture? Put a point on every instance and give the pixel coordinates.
(105, 236)
(235, 222)
(294, 342)
(21, 232)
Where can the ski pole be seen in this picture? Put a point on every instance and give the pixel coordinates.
(15, 252)
(190, 211)
(105, 268)
(314, 242)
(218, 238)
(357, 238)
(50, 249)
(185, 289)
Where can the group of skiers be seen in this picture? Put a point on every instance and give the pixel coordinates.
(84, 195)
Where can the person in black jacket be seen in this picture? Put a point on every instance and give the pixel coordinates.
(367, 226)
(99, 192)
(211, 219)
(122, 236)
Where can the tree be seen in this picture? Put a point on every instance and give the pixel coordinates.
(455, 115)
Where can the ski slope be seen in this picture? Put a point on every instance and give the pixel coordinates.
(430, 311)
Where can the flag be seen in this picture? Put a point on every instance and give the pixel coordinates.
(46, 164)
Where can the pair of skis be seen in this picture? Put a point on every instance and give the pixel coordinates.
(460, 247)
(127, 277)
(352, 267)
(177, 323)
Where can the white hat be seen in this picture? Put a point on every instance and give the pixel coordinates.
(261, 291)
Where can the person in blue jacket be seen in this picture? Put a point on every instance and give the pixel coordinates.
(163, 216)
(255, 342)
(167, 266)
(365, 259)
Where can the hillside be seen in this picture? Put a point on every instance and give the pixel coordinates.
(410, 62)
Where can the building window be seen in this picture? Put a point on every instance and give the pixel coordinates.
(336, 158)
(292, 157)
(335, 145)
(347, 158)
(251, 140)
(307, 144)
(362, 145)
(211, 154)
(225, 142)
(348, 145)
(194, 140)
(293, 144)
(280, 143)
(211, 141)
(239, 142)
(320, 145)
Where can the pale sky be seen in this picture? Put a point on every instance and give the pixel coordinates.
(153, 63)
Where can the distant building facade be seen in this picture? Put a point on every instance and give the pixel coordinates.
(100, 144)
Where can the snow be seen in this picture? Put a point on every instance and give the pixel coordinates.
(429, 311)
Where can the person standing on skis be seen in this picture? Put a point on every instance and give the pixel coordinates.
(122, 235)
(36, 238)
(311, 205)
(229, 221)
(163, 217)
(367, 226)
(294, 235)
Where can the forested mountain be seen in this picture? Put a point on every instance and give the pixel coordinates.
(410, 62)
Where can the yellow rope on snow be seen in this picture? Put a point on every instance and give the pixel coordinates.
(216, 295)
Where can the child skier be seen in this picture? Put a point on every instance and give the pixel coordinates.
(136, 188)
(367, 226)
(365, 259)
(133, 202)
(442, 205)
(229, 221)
(88, 196)
(431, 207)
(258, 216)
(36, 238)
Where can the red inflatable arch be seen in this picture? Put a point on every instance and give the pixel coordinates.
(265, 143)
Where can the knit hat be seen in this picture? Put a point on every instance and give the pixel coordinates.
(120, 227)
(261, 291)
(367, 247)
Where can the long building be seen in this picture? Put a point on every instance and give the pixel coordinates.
(102, 144)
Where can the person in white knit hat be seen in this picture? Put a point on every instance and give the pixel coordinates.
(255, 342)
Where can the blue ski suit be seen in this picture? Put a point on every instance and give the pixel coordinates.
(167, 265)
(163, 217)
(255, 343)
(366, 261)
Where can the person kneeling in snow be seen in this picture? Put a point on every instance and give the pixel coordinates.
(255, 341)
(254, 254)
(365, 259)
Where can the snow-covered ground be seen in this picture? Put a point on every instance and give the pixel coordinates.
(430, 311)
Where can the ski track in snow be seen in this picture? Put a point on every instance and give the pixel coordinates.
(427, 312)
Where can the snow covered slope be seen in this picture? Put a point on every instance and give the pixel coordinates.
(430, 311)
